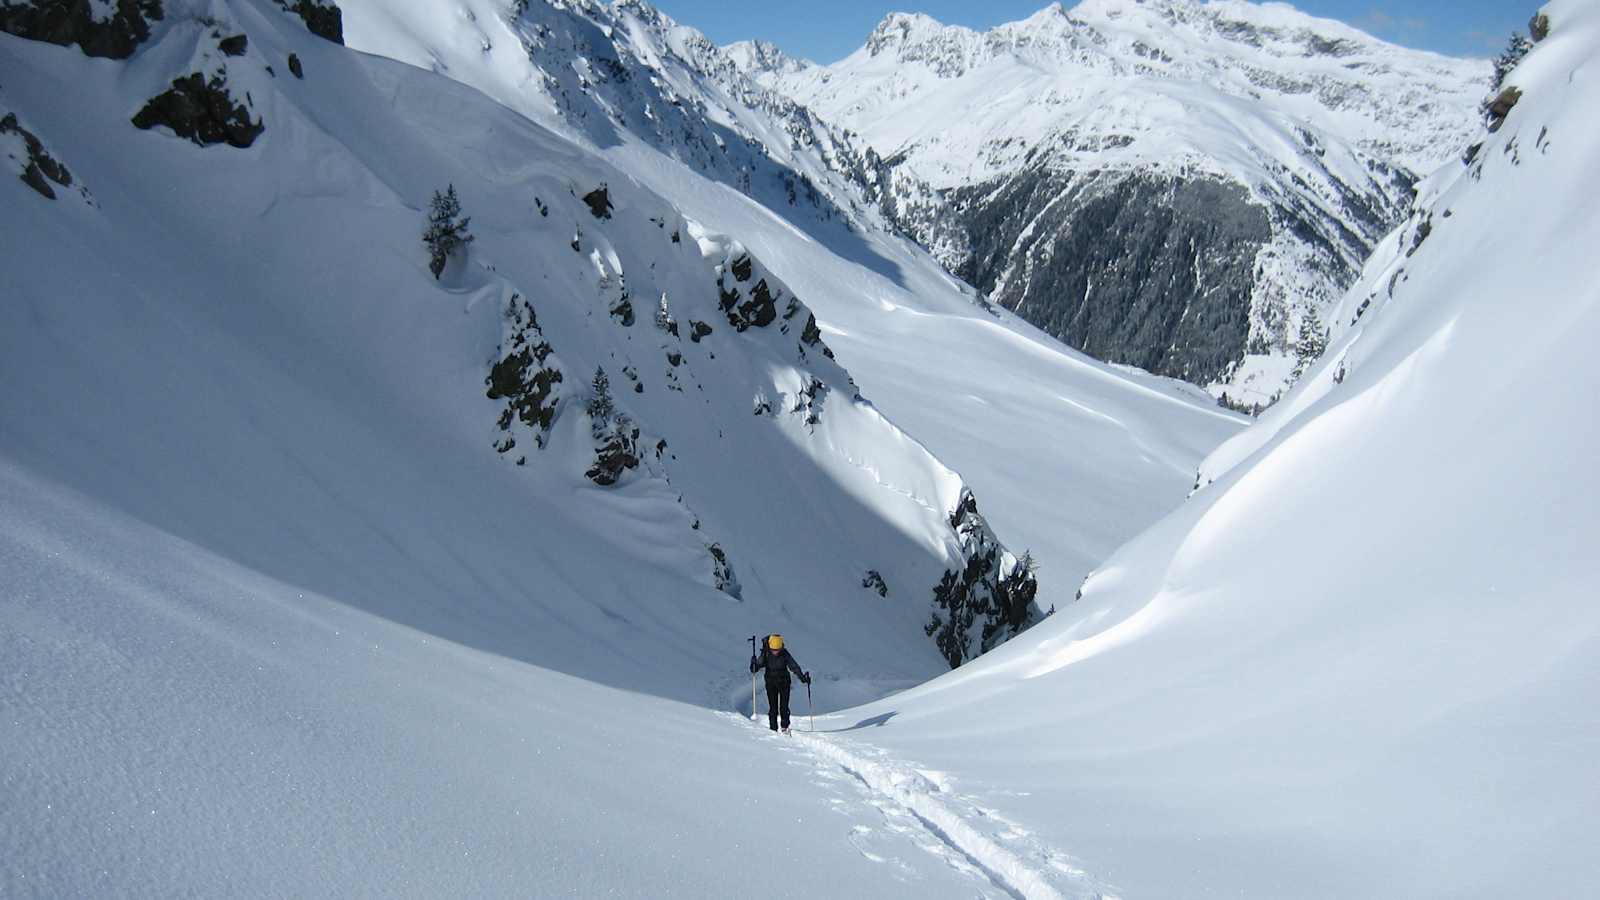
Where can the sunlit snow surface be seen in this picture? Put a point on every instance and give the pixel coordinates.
(277, 621)
(276, 618)
(1362, 661)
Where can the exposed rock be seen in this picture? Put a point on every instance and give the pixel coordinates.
(524, 377)
(1424, 229)
(1539, 27)
(234, 46)
(322, 17)
(599, 201)
(68, 22)
(39, 169)
(742, 268)
(874, 582)
(202, 111)
(698, 330)
(722, 572)
(810, 400)
(295, 68)
(622, 311)
(759, 311)
(986, 602)
(616, 453)
(1501, 106)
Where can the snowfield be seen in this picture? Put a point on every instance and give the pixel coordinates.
(306, 588)
(1363, 659)
(1047, 121)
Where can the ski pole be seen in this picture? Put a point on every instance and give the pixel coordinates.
(811, 707)
(752, 680)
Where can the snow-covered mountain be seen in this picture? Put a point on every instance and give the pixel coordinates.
(312, 554)
(1181, 185)
(937, 363)
(1364, 659)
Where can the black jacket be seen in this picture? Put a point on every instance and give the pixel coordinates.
(778, 665)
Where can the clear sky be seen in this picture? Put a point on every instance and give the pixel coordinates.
(829, 30)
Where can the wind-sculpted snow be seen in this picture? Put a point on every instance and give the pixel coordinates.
(1322, 126)
(327, 549)
(553, 335)
(641, 72)
(1362, 659)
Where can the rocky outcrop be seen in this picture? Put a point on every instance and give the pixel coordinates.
(722, 575)
(525, 377)
(1501, 106)
(105, 28)
(599, 202)
(36, 167)
(874, 582)
(203, 111)
(756, 309)
(323, 18)
(989, 599)
(616, 451)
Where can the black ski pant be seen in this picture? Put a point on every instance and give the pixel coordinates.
(777, 703)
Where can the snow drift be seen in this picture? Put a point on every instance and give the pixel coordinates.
(1363, 659)
(326, 571)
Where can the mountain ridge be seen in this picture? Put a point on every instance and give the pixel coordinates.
(1324, 127)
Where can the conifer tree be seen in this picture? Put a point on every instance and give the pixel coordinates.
(601, 406)
(447, 230)
(1312, 344)
(1516, 48)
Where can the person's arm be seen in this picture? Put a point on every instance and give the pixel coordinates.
(755, 662)
(795, 668)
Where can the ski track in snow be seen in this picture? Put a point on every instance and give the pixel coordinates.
(919, 805)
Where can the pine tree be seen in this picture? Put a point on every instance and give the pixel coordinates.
(601, 407)
(447, 229)
(1312, 344)
(1516, 48)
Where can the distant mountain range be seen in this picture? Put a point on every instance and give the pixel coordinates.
(1179, 185)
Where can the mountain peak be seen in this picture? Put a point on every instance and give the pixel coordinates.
(764, 56)
(900, 29)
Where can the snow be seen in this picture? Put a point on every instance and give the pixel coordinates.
(177, 724)
(278, 617)
(1363, 659)
(952, 97)
(1310, 116)
(962, 382)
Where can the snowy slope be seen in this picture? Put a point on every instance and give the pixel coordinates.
(273, 428)
(307, 580)
(177, 725)
(998, 402)
(1281, 145)
(1363, 660)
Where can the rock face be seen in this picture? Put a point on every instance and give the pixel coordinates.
(37, 168)
(1156, 272)
(525, 377)
(100, 28)
(989, 599)
(203, 111)
(322, 17)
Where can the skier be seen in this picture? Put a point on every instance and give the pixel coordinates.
(778, 663)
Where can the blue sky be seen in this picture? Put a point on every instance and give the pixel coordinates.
(828, 30)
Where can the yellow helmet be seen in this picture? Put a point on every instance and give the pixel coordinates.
(775, 642)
